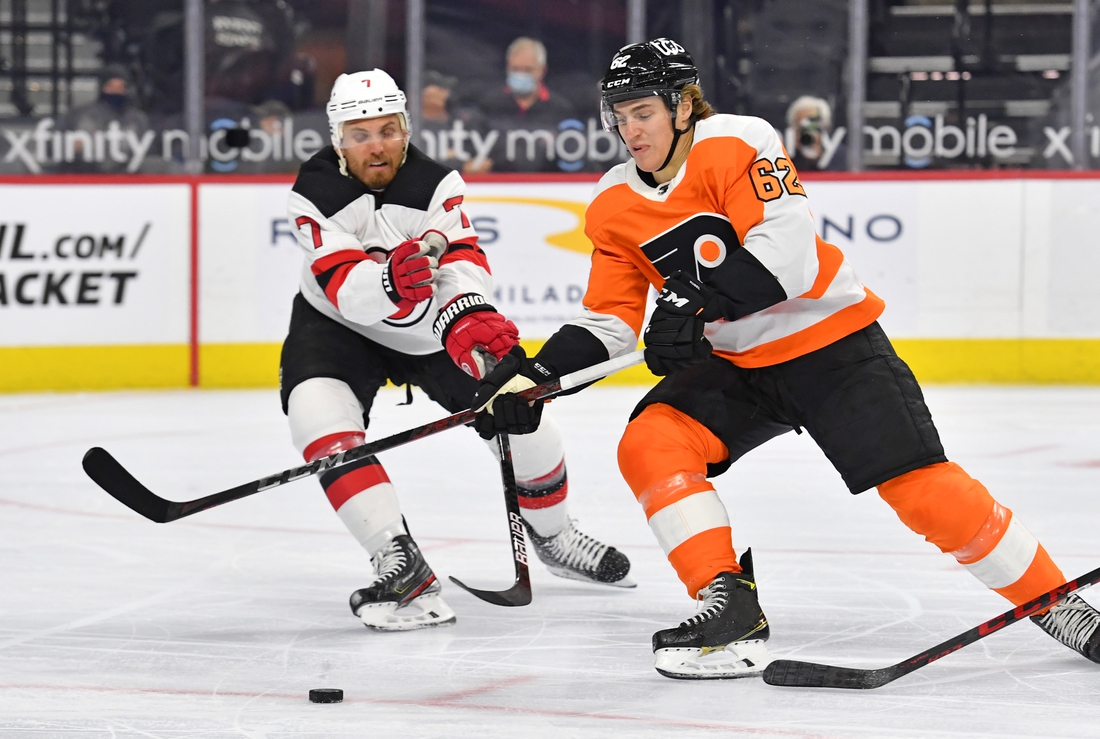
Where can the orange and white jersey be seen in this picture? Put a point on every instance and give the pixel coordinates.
(737, 218)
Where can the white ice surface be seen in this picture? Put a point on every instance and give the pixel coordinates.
(217, 625)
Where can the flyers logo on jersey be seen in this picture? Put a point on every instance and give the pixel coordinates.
(697, 246)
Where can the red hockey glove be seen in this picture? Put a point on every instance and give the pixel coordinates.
(467, 324)
(410, 273)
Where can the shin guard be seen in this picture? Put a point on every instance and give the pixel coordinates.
(663, 456)
(956, 513)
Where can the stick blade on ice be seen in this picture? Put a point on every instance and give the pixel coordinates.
(794, 674)
(106, 472)
(517, 595)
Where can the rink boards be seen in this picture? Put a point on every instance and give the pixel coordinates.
(173, 281)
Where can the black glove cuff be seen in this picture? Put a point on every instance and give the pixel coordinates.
(387, 284)
(461, 306)
(571, 348)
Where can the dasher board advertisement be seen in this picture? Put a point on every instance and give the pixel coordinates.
(533, 234)
(94, 264)
(540, 257)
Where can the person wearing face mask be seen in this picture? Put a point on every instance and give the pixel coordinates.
(525, 103)
(112, 114)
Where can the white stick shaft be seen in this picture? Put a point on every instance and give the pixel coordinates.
(603, 369)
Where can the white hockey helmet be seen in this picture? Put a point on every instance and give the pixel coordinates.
(370, 94)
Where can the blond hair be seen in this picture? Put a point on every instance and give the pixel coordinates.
(700, 108)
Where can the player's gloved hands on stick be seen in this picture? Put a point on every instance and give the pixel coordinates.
(484, 330)
(501, 410)
(410, 273)
(674, 337)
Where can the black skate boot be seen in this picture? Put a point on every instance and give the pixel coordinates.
(724, 640)
(577, 556)
(1074, 623)
(405, 595)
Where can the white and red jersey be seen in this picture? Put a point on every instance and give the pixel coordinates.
(735, 217)
(347, 232)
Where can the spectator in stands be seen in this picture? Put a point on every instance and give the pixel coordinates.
(524, 95)
(269, 117)
(111, 116)
(809, 136)
(435, 96)
(525, 103)
(444, 130)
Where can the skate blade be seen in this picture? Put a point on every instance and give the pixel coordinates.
(422, 612)
(625, 582)
(735, 660)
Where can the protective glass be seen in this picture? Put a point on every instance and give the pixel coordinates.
(350, 138)
(612, 119)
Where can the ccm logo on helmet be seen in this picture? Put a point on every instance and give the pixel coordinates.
(618, 83)
(666, 46)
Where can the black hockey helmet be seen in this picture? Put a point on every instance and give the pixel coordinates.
(660, 67)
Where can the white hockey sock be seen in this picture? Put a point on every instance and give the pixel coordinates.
(364, 499)
(539, 461)
(373, 516)
(326, 418)
(548, 521)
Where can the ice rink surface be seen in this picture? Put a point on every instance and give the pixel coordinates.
(218, 625)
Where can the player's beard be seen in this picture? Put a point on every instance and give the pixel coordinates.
(374, 177)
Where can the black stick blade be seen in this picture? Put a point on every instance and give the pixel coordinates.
(517, 595)
(794, 674)
(106, 472)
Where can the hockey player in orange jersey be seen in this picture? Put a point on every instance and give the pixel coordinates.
(760, 328)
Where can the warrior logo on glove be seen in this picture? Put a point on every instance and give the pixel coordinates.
(471, 330)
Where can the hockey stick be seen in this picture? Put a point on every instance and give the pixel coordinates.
(520, 592)
(124, 487)
(792, 673)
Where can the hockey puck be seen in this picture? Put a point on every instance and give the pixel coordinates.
(326, 695)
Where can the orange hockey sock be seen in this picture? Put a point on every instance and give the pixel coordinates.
(663, 456)
(956, 513)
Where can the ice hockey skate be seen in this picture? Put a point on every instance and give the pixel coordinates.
(577, 556)
(725, 639)
(1074, 623)
(405, 595)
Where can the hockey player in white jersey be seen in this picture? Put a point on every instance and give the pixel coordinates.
(395, 287)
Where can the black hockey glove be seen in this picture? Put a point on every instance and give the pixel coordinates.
(501, 410)
(674, 337)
